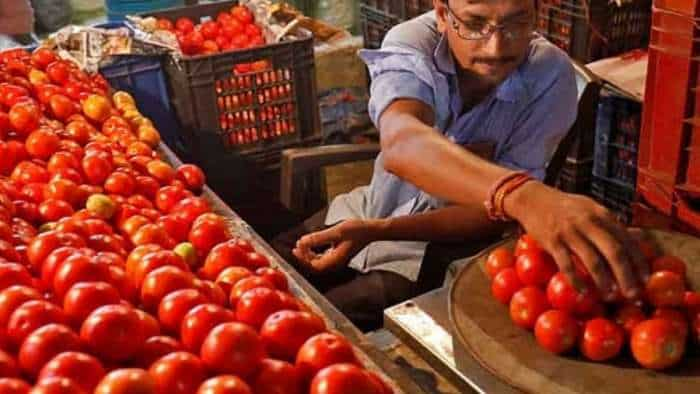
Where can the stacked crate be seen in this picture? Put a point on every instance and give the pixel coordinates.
(669, 155)
(377, 17)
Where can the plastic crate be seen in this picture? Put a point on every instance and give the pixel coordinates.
(593, 29)
(575, 176)
(618, 126)
(618, 198)
(253, 111)
(117, 10)
(143, 77)
(689, 8)
(402, 9)
(669, 163)
(375, 25)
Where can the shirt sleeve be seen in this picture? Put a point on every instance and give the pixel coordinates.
(16, 17)
(396, 75)
(543, 124)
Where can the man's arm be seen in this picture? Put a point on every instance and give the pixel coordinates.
(16, 17)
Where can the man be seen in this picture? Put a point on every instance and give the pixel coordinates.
(16, 18)
(470, 72)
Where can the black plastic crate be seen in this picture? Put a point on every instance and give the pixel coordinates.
(593, 29)
(375, 25)
(618, 127)
(402, 9)
(615, 196)
(256, 100)
(575, 176)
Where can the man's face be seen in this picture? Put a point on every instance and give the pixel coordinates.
(494, 57)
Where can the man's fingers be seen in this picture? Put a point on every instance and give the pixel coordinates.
(613, 249)
(594, 264)
(630, 239)
(332, 257)
(561, 256)
(319, 238)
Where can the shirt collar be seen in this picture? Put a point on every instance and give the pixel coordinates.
(511, 90)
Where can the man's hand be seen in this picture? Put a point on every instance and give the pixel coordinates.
(565, 223)
(345, 239)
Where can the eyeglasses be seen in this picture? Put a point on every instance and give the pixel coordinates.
(481, 30)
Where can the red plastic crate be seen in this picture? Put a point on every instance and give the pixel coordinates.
(686, 7)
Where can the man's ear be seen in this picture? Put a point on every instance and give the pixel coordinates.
(441, 15)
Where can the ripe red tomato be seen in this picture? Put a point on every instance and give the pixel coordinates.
(83, 369)
(45, 343)
(167, 197)
(190, 209)
(85, 297)
(199, 321)
(95, 226)
(156, 347)
(31, 315)
(343, 379)
(127, 381)
(57, 385)
(52, 210)
(63, 190)
(278, 377)
(211, 292)
(527, 305)
(277, 277)
(97, 168)
(256, 260)
(669, 263)
(192, 176)
(253, 31)
(256, 305)
(562, 295)
(676, 317)
(628, 316)
(8, 366)
(14, 386)
(535, 267)
(601, 339)
(143, 261)
(242, 14)
(42, 143)
(207, 234)
(178, 373)
(284, 332)
(121, 184)
(14, 274)
(505, 284)
(657, 344)
(152, 234)
(245, 284)
(79, 131)
(222, 256)
(24, 117)
(525, 242)
(174, 306)
(79, 268)
(556, 331)
(175, 226)
(233, 348)
(224, 384)
(58, 71)
(691, 302)
(321, 351)
(665, 289)
(209, 29)
(231, 29)
(29, 172)
(185, 25)
(113, 332)
(231, 275)
(240, 41)
(161, 282)
(14, 296)
(62, 107)
(498, 260)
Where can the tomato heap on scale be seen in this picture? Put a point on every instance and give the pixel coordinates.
(565, 317)
(116, 276)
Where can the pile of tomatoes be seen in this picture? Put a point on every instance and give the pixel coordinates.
(657, 328)
(229, 31)
(115, 274)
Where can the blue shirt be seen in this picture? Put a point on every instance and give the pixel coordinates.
(525, 118)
